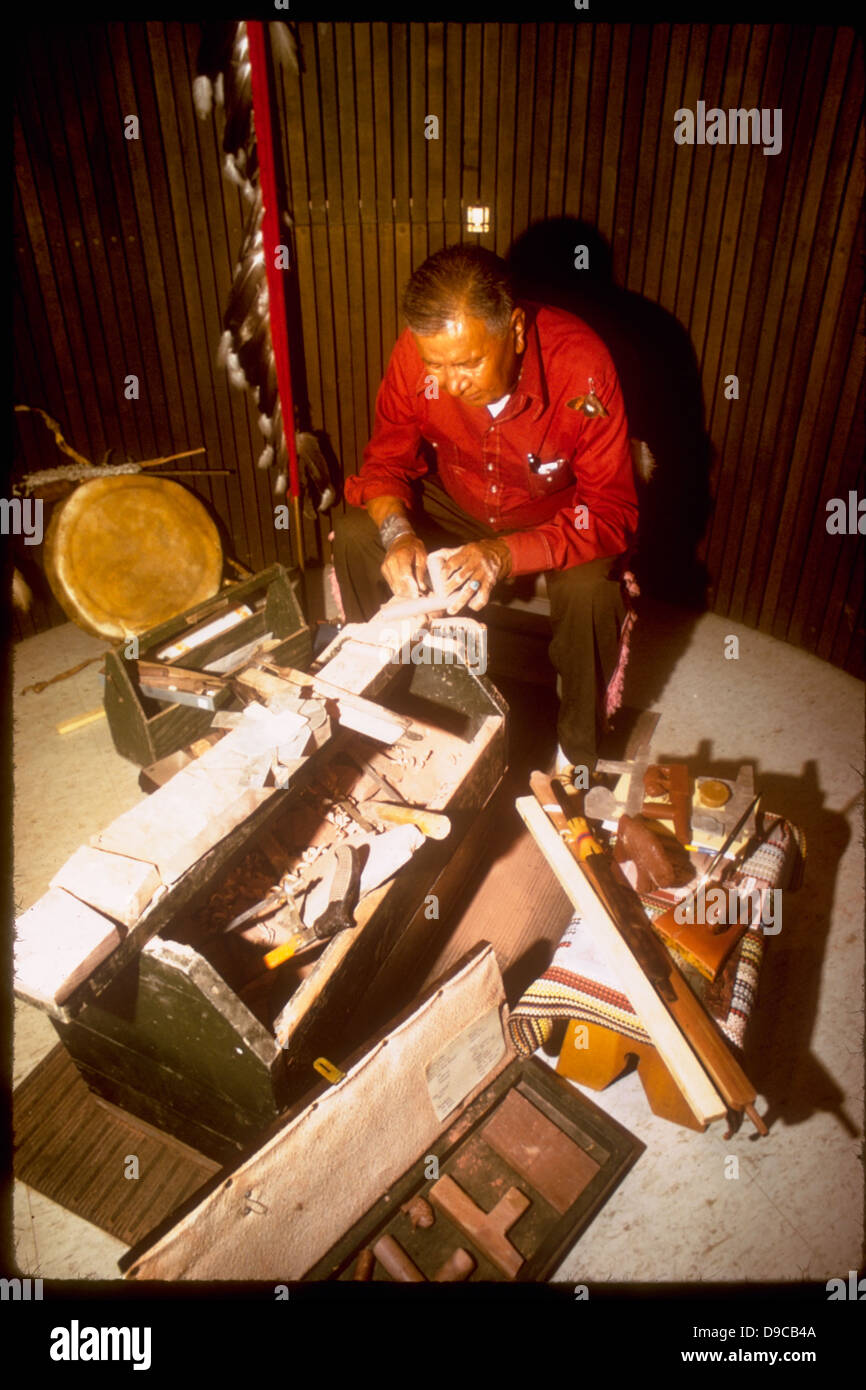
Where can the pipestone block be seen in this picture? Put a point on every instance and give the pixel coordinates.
(718, 907)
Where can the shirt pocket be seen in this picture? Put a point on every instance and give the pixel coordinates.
(548, 472)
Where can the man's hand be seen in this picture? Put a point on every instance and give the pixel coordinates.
(405, 567)
(472, 571)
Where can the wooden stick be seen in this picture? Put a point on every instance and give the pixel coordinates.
(702, 1097)
(70, 725)
(394, 1259)
(168, 458)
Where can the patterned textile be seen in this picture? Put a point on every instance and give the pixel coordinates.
(579, 984)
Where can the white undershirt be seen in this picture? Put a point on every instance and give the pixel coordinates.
(499, 406)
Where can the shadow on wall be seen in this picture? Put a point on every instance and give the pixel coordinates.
(661, 385)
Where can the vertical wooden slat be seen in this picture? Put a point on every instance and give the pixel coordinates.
(376, 348)
(655, 117)
(559, 113)
(613, 132)
(503, 213)
(635, 80)
(436, 148)
(520, 216)
(541, 122)
(490, 119)
(471, 153)
(453, 131)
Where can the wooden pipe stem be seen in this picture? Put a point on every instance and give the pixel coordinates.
(393, 1258)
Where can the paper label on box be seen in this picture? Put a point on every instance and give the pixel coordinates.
(465, 1062)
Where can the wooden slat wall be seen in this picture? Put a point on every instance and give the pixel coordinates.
(755, 256)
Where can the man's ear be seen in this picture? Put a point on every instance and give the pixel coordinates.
(518, 327)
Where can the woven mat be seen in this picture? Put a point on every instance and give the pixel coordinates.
(74, 1149)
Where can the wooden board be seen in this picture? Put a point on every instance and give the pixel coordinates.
(73, 1148)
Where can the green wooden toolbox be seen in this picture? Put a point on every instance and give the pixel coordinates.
(213, 635)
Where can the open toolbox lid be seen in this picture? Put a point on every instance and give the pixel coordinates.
(275, 1214)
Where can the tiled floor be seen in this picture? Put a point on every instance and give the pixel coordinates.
(795, 1210)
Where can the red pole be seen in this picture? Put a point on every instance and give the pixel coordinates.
(270, 242)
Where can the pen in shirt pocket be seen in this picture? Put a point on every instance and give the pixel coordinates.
(544, 469)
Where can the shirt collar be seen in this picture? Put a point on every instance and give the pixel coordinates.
(532, 384)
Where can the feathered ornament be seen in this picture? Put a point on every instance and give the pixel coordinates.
(246, 350)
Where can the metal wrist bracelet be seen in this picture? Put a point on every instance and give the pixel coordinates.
(392, 527)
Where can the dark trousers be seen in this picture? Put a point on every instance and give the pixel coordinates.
(586, 607)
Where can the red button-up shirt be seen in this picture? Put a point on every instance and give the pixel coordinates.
(585, 508)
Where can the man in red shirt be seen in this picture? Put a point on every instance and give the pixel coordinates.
(500, 428)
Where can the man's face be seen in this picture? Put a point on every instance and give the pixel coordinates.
(470, 363)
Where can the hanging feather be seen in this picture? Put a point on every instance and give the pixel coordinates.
(315, 472)
(203, 96)
(283, 44)
(245, 352)
(214, 52)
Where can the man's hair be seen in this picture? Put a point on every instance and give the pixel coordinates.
(464, 280)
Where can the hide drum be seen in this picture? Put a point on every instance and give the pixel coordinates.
(125, 554)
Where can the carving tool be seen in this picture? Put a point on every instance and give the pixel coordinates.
(719, 856)
(683, 1024)
(338, 916)
(433, 825)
